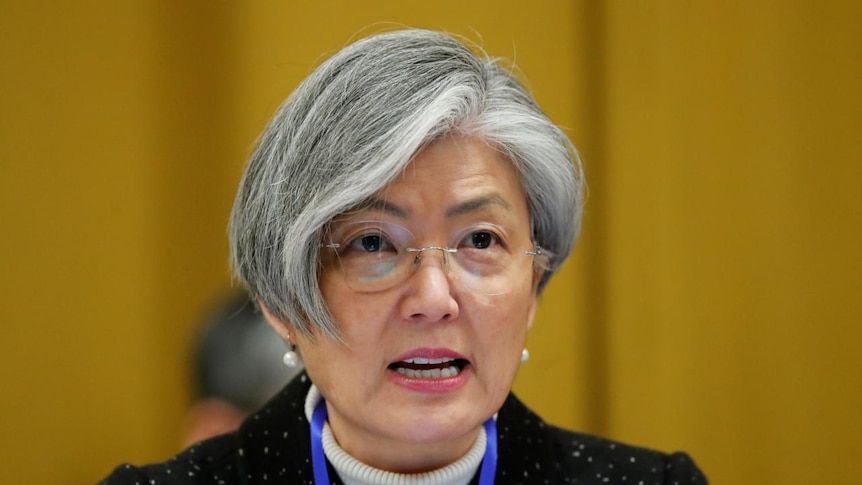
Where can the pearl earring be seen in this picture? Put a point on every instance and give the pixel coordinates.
(525, 355)
(291, 358)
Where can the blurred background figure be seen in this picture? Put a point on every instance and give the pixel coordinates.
(237, 368)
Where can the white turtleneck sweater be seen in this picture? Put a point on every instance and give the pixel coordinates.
(353, 472)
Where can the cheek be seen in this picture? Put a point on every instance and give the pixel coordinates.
(503, 325)
(512, 310)
(359, 317)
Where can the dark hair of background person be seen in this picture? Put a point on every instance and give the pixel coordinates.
(237, 367)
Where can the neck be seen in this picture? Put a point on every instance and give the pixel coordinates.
(353, 472)
(397, 456)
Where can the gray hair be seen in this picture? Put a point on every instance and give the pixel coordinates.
(353, 125)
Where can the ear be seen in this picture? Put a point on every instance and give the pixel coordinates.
(537, 278)
(282, 328)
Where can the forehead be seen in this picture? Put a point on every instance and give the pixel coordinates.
(454, 176)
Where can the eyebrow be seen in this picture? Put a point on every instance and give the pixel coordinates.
(458, 209)
(473, 205)
(374, 204)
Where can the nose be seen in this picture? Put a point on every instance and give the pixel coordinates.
(428, 296)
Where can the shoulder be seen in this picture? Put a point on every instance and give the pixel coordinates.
(209, 462)
(270, 443)
(607, 459)
(532, 451)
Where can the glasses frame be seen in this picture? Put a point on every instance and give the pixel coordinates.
(538, 253)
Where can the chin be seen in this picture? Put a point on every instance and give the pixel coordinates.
(440, 431)
(437, 424)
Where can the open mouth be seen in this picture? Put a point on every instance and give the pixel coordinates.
(422, 368)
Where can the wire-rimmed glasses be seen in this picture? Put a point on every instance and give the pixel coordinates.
(377, 255)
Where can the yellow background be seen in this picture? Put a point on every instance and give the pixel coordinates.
(713, 303)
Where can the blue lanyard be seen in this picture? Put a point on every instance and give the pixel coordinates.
(318, 457)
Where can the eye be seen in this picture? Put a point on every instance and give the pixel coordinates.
(371, 243)
(480, 240)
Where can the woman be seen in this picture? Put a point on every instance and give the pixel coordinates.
(396, 222)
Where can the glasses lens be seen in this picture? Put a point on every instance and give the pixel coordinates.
(369, 253)
(490, 260)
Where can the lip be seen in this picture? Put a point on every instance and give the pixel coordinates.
(429, 353)
(441, 385)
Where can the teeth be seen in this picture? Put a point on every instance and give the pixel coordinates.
(429, 374)
(422, 360)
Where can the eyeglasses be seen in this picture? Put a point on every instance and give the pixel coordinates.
(484, 258)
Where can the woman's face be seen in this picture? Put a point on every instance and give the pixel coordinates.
(457, 192)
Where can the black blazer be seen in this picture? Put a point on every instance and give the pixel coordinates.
(272, 446)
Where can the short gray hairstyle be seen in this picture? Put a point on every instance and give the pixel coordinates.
(353, 125)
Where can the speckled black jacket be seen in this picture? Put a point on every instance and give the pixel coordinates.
(273, 447)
